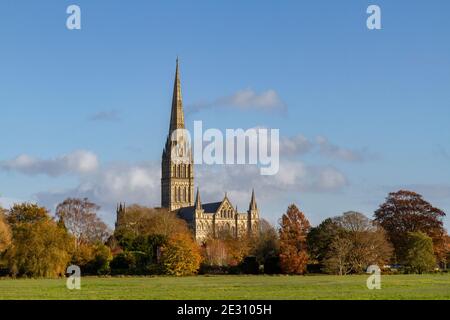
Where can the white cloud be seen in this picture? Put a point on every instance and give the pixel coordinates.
(110, 115)
(268, 100)
(327, 149)
(140, 183)
(297, 145)
(137, 183)
(6, 202)
(112, 184)
(293, 176)
(77, 162)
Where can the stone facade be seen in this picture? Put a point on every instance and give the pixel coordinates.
(177, 186)
(177, 179)
(212, 219)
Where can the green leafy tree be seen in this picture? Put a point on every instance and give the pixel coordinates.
(26, 213)
(419, 256)
(99, 264)
(266, 243)
(319, 239)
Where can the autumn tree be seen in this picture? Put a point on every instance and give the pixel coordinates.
(225, 249)
(154, 240)
(138, 220)
(5, 232)
(79, 216)
(294, 228)
(419, 255)
(337, 259)
(447, 253)
(180, 255)
(215, 252)
(406, 211)
(370, 243)
(26, 213)
(40, 248)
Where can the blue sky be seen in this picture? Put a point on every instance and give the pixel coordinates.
(366, 111)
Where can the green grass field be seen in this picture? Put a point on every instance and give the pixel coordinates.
(232, 287)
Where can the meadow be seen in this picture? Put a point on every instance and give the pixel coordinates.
(433, 286)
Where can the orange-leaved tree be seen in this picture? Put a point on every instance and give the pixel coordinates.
(406, 211)
(294, 228)
(5, 232)
(180, 255)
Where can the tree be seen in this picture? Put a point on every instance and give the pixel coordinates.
(266, 242)
(358, 243)
(79, 216)
(5, 232)
(181, 255)
(99, 264)
(39, 249)
(447, 253)
(293, 247)
(419, 252)
(337, 258)
(138, 220)
(26, 213)
(215, 252)
(154, 240)
(369, 241)
(225, 249)
(319, 239)
(406, 211)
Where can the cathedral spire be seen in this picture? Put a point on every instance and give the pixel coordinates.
(177, 114)
(253, 205)
(198, 203)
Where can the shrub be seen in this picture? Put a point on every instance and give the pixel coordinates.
(272, 265)
(250, 265)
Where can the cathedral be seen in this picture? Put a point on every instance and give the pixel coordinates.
(177, 186)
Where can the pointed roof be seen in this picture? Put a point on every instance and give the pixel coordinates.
(198, 203)
(253, 205)
(177, 114)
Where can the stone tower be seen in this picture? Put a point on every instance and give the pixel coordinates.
(252, 215)
(177, 179)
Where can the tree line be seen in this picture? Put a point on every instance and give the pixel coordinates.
(406, 234)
